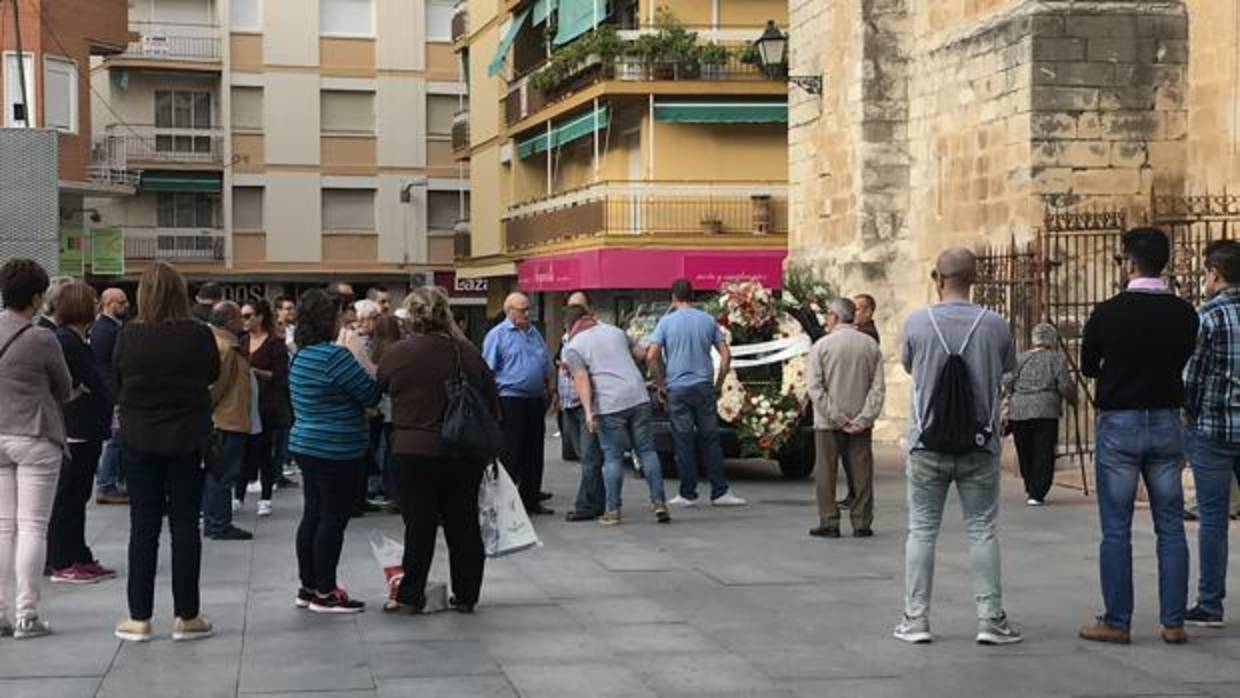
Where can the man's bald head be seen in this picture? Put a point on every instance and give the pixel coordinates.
(114, 303)
(517, 309)
(581, 299)
(956, 268)
(226, 315)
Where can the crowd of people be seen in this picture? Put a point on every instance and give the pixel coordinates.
(181, 410)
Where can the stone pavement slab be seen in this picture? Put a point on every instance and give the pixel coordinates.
(722, 603)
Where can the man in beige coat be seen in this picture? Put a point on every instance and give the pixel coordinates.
(845, 377)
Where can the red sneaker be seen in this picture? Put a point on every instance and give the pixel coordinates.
(74, 574)
(99, 570)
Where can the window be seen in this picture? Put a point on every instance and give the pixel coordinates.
(247, 107)
(445, 208)
(439, 112)
(347, 17)
(15, 115)
(60, 94)
(186, 210)
(247, 15)
(439, 20)
(247, 212)
(348, 209)
(347, 112)
(182, 110)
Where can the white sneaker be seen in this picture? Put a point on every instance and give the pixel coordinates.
(1031, 502)
(264, 507)
(727, 499)
(683, 503)
(236, 505)
(914, 630)
(30, 628)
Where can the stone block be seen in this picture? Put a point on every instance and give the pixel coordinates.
(1129, 154)
(1169, 98)
(1106, 181)
(1175, 51)
(1058, 49)
(1169, 155)
(1172, 125)
(1129, 125)
(1059, 98)
(1051, 180)
(1085, 154)
(1074, 74)
(1053, 125)
(1130, 97)
(1163, 26)
(1113, 50)
(1100, 26)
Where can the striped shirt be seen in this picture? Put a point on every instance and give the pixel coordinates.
(1212, 376)
(331, 392)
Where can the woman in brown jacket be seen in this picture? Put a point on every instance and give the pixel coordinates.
(434, 484)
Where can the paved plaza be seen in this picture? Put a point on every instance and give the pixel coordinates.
(720, 603)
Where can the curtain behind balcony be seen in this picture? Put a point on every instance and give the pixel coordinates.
(576, 17)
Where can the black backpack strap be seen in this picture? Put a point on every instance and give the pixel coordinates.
(16, 335)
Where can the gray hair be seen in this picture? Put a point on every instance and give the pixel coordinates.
(1045, 336)
(429, 311)
(844, 309)
(53, 290)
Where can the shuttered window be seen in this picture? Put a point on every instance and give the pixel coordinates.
(439, 112)
(348, 209)
(247, 107)
(247, 212)
(347, 111)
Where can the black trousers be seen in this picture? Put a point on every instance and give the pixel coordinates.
(328, 488)
(1035, 449)
(433, 491)
(524, 431)
(259, 464)
(160, 484)
(66, 530)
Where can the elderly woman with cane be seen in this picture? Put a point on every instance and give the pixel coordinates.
(1035, 392)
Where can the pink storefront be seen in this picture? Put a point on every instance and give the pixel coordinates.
(648, 269)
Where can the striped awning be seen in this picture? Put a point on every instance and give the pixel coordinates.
(199, 182)
(566, 132)
(505, 44)
(722, 112)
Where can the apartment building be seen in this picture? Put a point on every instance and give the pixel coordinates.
(278, 144)
(615, 145)
(44, 62)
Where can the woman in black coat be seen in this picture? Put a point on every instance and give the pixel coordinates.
(88, 423)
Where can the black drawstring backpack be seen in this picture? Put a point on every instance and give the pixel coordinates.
(950, 424)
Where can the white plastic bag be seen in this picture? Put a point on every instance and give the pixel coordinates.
(506, 528)
(390, 556)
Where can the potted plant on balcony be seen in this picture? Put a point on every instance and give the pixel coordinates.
(712, 223)
(713, 58)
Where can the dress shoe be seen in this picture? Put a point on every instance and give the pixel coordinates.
(106, 498)
(539, 510)
(1099, 631)
(1174, 635)
(545, 496)
(863, 533)
(579, 516)
(825, 532)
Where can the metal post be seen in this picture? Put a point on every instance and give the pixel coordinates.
(596, 129)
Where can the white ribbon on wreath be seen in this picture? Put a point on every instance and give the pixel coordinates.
(773, 352)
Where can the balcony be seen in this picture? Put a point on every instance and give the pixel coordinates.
(714, 214)
(175, 43)
(460, 22)
(551, 83)
(460, 133)
(175, 244)
(124, 145)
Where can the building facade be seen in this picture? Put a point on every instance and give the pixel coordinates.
(958, 122)
(280, 144)
(615, 146)
(56, 41)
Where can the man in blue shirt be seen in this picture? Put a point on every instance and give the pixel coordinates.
(518, 357)
(683, 340)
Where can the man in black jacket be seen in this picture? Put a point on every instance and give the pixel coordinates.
(114, 307)
(1135, 346)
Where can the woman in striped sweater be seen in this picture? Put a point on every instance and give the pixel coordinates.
(331, 393)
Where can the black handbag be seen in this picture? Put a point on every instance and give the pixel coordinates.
(470, 430)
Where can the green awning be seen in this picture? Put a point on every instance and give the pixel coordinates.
(542, 10)
(202, 182)
(505, 44)
(566, 132)
(576, 17)
(722, 112)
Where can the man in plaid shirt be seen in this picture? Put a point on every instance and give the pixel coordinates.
(1212, 413)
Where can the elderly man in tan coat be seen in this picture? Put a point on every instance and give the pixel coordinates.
(845, 377)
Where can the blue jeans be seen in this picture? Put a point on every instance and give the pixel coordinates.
(590, 493)
(930, 476)
(695, 431)
(217, 495)
(1131, 445)
(619, 431)
(109, 477)
(1214, 464)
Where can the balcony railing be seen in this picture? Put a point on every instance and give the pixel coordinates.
(460, 131)
(175, 42)
(524, 98)
(649, 209)
(460, 22)
(125, 144)
(185, 244)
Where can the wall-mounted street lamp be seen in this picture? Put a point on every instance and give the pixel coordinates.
(772, 49)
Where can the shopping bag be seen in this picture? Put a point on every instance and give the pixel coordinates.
(390, 556)
(506, 528)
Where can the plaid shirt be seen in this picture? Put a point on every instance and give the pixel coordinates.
(1212, 376)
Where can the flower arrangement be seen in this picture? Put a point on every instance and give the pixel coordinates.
(747, 309)
(805, 294)
(768, 421)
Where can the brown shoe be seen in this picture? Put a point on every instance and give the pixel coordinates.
(112, 498)
(1174, 635)
(1098, 631)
